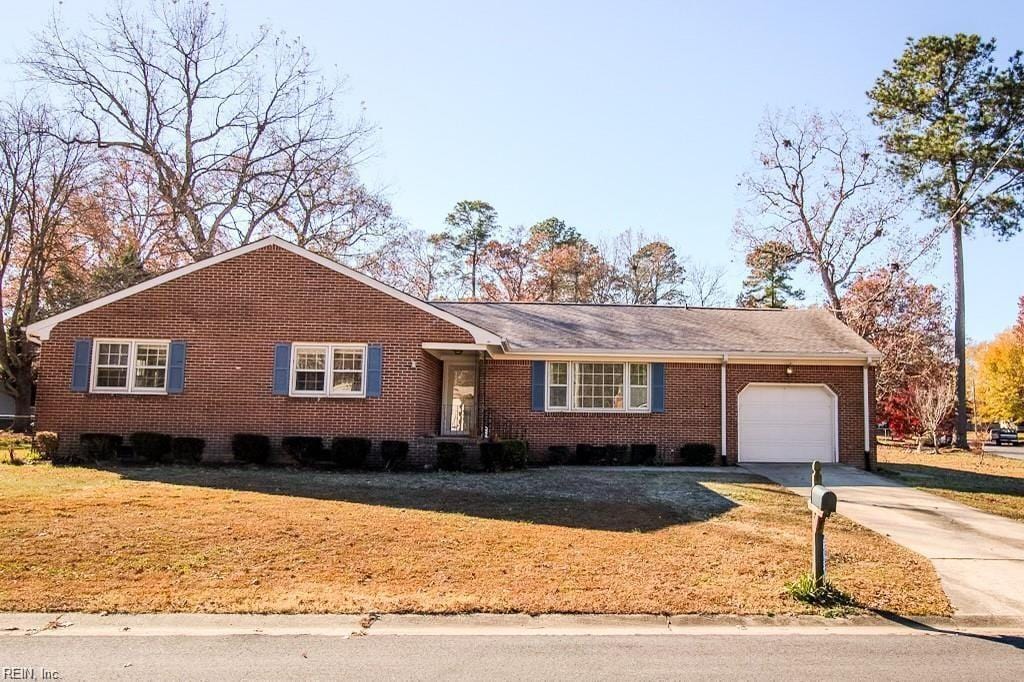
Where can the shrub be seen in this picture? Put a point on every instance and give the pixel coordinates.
(515, 454)
(492, 455)
(46, 444)
(250, 447)
(697, 454)
(394, 453)
(185, 450)
(303, 449)
(350, 453)
(150, 446)
(827, 595)
(643, 454)
(615, 454)
(97, 447)
(588, 454)
(450, 455)
(558, 454)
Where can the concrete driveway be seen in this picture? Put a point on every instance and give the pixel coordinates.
(1011, 451)
(979, 557)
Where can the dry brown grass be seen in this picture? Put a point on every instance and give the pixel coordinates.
(990, 483)
(236, 540)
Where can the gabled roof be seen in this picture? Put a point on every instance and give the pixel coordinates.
(40, 331)
(672, 330)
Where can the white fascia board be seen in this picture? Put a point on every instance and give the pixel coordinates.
(40, 331)
(732, 357)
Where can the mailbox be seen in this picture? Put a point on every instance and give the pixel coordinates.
(823, 500)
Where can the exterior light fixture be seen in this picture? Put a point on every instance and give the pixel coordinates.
(789, 370)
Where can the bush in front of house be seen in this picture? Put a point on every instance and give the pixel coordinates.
(187, 450)
(615, 455)
(252, 448)
(450, 455)
(697, 454)
(588, 454)
(514, 456)
(303, 449)
(46, 444)
(350, 453)
(559, 454)
(643, 454)
(394, 454)
(98, 447)
(492, 455)
(151, 446)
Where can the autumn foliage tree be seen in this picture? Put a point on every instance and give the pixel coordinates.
(769, 282)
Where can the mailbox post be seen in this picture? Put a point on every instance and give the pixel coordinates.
(822, 505)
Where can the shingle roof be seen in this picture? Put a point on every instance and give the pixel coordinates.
(559, 326)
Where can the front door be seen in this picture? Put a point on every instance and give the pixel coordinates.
(458, 401)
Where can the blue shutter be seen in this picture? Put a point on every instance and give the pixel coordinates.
(657, 387)
(374, 366)
(176, 368)
(537, 388)
(282, 368)
(81, 366)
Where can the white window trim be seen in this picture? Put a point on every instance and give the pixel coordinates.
(328, 391)
(131, 388)
(571, 379)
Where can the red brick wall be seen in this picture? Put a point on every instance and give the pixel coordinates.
(847, 382)
(692, 411)
(231, 314)
(692, 408)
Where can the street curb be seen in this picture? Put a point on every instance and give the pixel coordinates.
(483, 624)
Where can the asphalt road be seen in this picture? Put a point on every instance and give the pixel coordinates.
(727, 657)
(1011, 451)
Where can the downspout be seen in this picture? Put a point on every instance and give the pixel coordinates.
(867, 420)
(725, 421)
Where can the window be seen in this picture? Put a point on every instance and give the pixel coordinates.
(130, 366)
(599, 386)
(558, 385)
(337, 370)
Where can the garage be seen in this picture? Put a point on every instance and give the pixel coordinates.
(787, 423)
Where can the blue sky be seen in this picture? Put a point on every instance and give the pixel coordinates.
(608, 114)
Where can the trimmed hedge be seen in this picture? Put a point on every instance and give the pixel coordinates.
(643, 454)
(151, 446)
(615, 455)
(515, 454)
(450, 455)
(588, 454)
(394, 453)
(97, 447)
(253, 448)
(559, 454)
(46, 443)
(187, 450)
(492, 455)
(303, 449)
(697, 454)
(350, 453)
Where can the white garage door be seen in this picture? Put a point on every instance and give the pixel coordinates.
(791, 423)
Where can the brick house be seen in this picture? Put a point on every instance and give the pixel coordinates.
(271, 338)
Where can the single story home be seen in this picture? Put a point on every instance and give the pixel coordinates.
(274, 339)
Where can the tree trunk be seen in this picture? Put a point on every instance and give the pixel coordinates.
(960, 334)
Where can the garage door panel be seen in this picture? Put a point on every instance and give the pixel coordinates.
(792, 423)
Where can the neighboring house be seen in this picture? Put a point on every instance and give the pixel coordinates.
(270, 338)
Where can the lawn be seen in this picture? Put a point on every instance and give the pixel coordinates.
(990, 483)
(247, 540)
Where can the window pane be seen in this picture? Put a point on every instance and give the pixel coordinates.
(115, 354)
(638, 374)
(311, 359)
(348, 359)
(638, 397)
(348, 382)
(599, 385)
(309, 381)
(559, 373)
(558, 396)
(112, 377)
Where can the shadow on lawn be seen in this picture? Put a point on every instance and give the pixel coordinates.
(625, 502)
(939, 478)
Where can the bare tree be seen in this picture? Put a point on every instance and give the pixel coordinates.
(39, 179)
(218, 121)
(820, 190)
(704, 285)
(648, 268)
(418, 264)
(932, 399)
